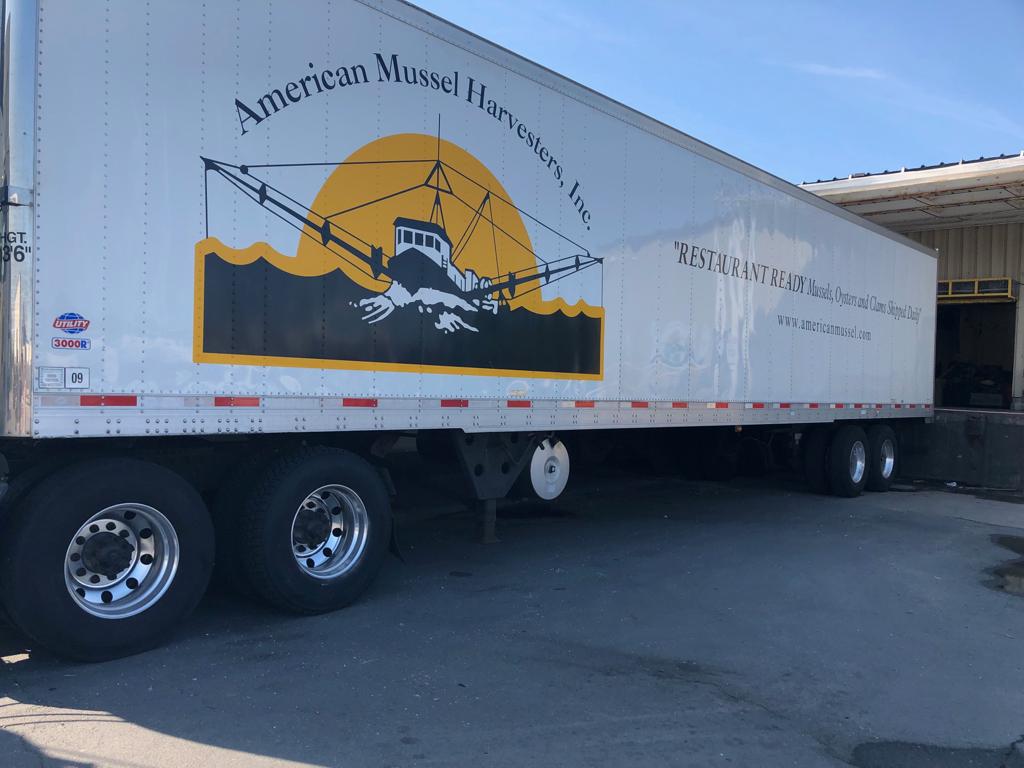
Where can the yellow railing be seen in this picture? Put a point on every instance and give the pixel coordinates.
(977, 289)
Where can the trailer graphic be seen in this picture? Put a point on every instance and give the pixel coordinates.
(412, 256)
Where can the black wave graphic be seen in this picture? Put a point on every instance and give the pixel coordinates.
(258, 309)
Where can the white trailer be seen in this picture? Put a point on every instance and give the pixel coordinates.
(262, 239)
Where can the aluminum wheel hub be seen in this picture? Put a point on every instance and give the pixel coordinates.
(329, 532)
(121, 561)
(858, 461)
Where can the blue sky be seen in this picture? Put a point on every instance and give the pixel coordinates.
(805, 90)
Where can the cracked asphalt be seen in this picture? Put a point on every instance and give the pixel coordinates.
(640, 621)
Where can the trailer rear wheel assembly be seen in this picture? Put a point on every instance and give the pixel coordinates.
(848, 461)
(883, 455)
(315, 530)
(105, 558)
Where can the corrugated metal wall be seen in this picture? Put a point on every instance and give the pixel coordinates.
(989, 251)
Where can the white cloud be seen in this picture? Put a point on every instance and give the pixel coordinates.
(858, 73)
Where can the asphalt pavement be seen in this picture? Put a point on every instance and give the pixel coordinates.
(638, 622)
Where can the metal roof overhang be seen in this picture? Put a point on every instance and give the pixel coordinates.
(964, 194)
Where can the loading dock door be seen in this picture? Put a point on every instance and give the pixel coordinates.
(975, 343)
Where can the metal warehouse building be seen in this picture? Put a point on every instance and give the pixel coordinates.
(972, 213)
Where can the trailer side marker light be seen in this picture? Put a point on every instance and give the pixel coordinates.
(680, 405)
(359, 402)
(112, 400)
(518, 404)
(584, 403)
(455, 403)
(236, 402)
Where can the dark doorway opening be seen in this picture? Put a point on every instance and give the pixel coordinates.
(974, 355)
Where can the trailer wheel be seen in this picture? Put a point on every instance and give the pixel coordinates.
(315, 530)
(106, 558)
(883, 455)
(848, 461)
(228, 507)
(814, 447)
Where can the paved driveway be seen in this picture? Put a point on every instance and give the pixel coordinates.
(640, 622)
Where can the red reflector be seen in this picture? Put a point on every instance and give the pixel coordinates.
(518, 403)
(858, 405)
(359, 402)
(785, 405)
(812, 405)
(758, 405)
(840, 405)
(721, 405)
(639, 404)
(680, 405)
(584, 403)
(236, 402)
(112, 400)
(455, 403)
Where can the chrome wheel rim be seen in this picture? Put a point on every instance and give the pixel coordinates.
(887, 458)
(329, 532)
(858, 461)
(121, 561)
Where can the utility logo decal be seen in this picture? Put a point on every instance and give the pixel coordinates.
(410, 255)
(70, 322)
(63, 342)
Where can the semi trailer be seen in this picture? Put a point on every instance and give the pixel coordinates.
(248, 246)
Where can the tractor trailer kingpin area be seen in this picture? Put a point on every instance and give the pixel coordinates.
(244, 253)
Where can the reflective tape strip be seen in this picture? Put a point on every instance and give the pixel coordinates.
(109, 400)
(236, 402)
(757, 405)
(897, 405)
(812, 405)
(359, 402)
(639, 404)
(838, 405)
(680, 405)
(455, 403)
(518, 404)
(785, 405)
(584, 403)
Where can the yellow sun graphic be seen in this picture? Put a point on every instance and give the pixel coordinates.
(399, 176)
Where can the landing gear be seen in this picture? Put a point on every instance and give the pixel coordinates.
(105, 558)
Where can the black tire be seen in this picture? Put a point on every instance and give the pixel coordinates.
(848, 441)
(881, 441)
(814, 448)
(228, 515)
(32, 561)
(267, 544)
